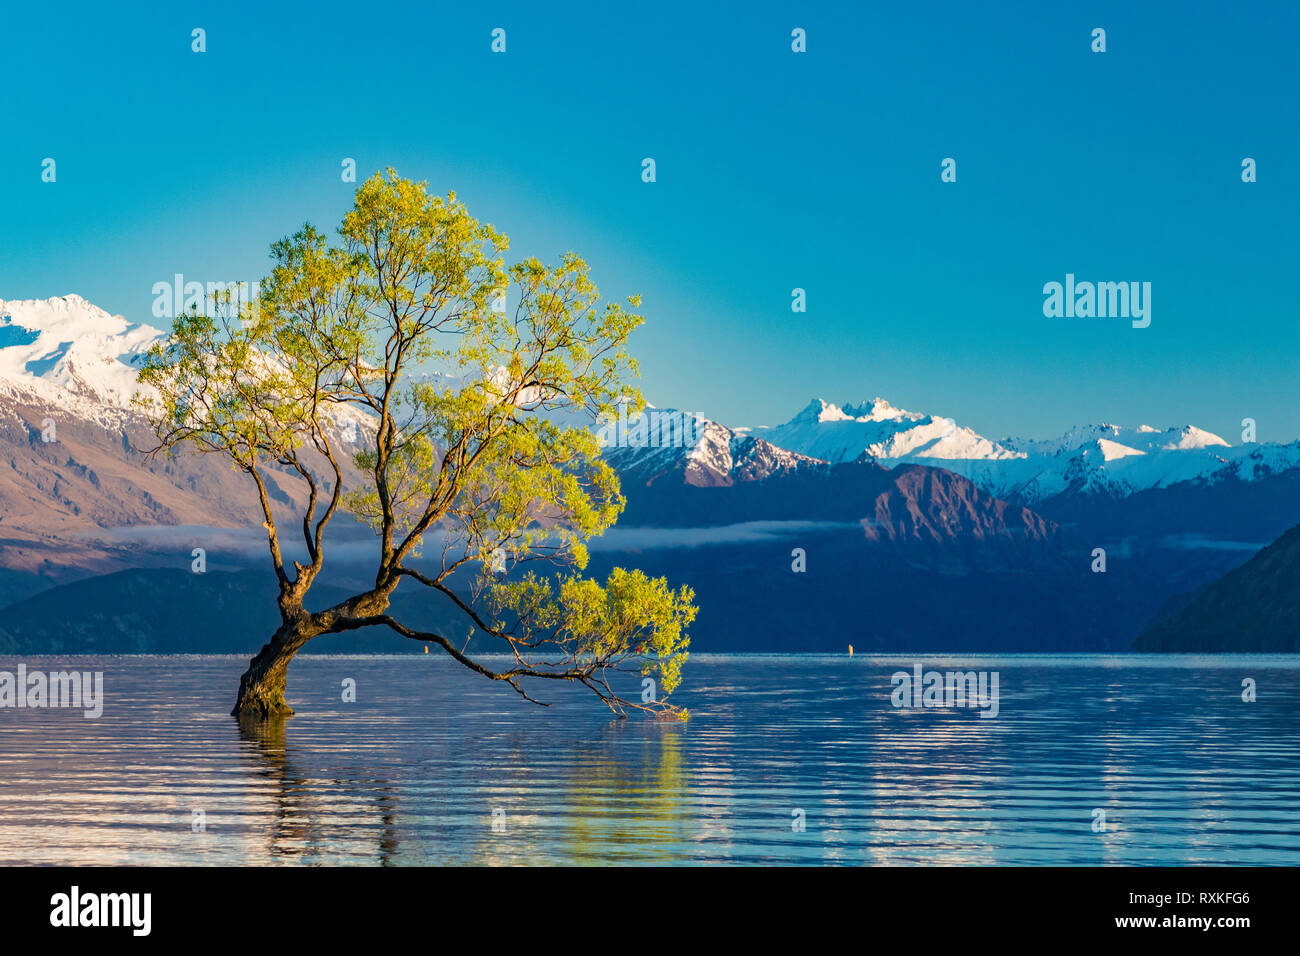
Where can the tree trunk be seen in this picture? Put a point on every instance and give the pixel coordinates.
(261, 689)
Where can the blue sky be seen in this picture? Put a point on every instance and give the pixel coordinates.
(775, 170)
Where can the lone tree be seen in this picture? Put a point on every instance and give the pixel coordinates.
(471, 433)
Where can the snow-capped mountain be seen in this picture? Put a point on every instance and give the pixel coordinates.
(72, 468)
(1091, 459)
(665, 442)
(1101, 460)
(1144, 438)
(836, 433)
(70, 353)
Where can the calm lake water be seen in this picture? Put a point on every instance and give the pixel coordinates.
(412, 772)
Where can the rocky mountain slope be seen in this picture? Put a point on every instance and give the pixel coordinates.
(1253, 609)
(73, 462)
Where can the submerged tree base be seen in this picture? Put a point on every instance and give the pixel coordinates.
(258, 701)
(261, 689)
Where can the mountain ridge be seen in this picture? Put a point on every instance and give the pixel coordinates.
(1253, 609)
(1005, 533)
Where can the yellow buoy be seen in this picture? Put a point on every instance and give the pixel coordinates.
(850, 650)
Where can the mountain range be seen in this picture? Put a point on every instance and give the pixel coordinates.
(1101, 459)
(917, 533)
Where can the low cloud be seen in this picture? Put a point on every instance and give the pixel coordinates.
(1196, 542)
(644, 539)
(355, 544)
(235, 543)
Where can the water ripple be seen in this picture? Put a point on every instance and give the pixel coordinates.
(411, 773)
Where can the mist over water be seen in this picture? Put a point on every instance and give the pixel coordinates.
(412, 772)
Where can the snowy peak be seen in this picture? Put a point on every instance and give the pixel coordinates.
(66, 344)
(875, 410)
(667, 443)
(878, 410)
(1144, 438)
(878, 429)
(1113, 450)
(1189, 436)
(65, 353)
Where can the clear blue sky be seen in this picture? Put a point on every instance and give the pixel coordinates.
(775, 170)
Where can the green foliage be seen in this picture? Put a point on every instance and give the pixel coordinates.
(630, 617)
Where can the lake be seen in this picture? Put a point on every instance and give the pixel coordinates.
(785, 759)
